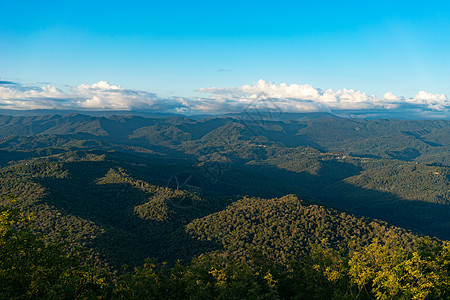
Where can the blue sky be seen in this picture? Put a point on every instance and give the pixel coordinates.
(175, 48)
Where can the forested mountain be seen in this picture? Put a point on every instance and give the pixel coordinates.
(225, 191)
(121, 210)
(399, 139)
(393, 170)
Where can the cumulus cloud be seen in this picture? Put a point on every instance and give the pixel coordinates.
(294, 97)
(262, 95)
(100, 95)
(306, 98)
(390, 96)
(24, 97)
(432, 101)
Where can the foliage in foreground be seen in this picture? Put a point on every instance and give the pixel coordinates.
(30, 267)
(33, 268)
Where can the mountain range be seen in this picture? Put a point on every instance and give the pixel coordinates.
(175, 187)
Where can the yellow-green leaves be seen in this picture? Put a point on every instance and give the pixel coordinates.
(388, 271)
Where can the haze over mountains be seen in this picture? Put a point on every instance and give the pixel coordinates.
(408, 140)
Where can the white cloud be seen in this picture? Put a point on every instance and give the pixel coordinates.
(262, 95)
(269, 89)
(25, 97)
(438, 102)
(100, 95)
(390, 96)
(306, 98)
(423, 96)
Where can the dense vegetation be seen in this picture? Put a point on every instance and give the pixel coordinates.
(206, 200)
(33, 268)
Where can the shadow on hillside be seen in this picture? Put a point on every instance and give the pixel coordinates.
(127, 239)
(7, 156)
(329, 189)
(87, 141)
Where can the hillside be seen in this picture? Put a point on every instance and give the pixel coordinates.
(400, 139)
(288, 227)
(247, 210)
(240, 246)
(387, 169)
(126, 211)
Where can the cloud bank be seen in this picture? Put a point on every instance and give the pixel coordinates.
(306, 98)
(261, 95)
(97, 96)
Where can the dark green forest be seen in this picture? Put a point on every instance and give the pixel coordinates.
(231, 207)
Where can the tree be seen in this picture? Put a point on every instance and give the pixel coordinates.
(33, 268)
